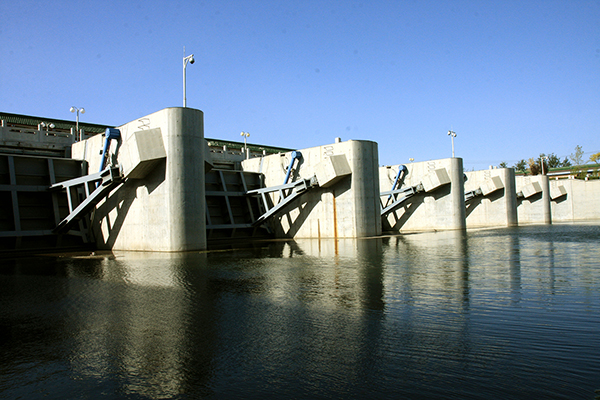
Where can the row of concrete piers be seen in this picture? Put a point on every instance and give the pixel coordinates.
(167, 190)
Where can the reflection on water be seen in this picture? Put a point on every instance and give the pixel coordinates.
(510, 313)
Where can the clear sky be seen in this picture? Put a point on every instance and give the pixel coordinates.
(513, 79)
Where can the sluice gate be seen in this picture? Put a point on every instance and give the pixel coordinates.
(29, 211)
(230, 212)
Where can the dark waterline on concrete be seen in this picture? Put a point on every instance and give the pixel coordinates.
(506, 313)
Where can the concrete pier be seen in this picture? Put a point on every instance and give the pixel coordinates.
(533, 199)
(441, 204)
(495, 201)
(546, 211)
(169, 189)
(341, 207)
(161, 207)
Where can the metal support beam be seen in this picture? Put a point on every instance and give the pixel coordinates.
(398, 197)
(472, 194)
(108, 179)
(287, 193)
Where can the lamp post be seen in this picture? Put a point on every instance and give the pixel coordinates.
(542, 162)
(246, 135)
(452, 135)
(78, 110)
(47, 126)
(191, 60)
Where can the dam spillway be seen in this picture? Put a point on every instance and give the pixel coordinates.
(175, 192)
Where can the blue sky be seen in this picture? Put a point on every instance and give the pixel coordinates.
(513, 79)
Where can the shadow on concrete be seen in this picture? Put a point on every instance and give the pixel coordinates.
(121, 201)
(492, 197)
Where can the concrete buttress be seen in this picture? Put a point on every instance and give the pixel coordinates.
(161, 206)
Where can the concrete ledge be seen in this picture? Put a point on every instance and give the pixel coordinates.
(557, 191)
(141, 152)
(435, 179)
(531, 189)
(491, 185)
(331, 170)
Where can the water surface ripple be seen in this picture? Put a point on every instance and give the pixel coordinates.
(508, 313)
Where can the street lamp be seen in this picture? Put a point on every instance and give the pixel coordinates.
(542, 158)
(191, 60)
(47, 126)
(452, 134)
(246, 135)
(78, 110)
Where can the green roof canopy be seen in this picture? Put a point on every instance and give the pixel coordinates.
(26, 120)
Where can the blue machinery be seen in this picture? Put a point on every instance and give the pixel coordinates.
(288, 192)
(86, 192)
(111, 133)
(296, 155)
(398, 196)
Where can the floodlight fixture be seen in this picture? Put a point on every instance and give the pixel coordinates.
(191, 60)
(77, 110)
(452, 135)
(246, 135)
(47, 126)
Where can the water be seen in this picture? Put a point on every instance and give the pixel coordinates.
(504, 313)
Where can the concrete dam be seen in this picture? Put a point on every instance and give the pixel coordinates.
(156, 184)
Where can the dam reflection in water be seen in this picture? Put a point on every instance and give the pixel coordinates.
(508, 312)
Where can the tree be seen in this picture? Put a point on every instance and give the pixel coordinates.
(534, 167)
(595, 158)
(577, 157)
(566, 162)
(554, 161)
(503, 164)
(521, 166)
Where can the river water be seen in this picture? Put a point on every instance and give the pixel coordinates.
(510, 313)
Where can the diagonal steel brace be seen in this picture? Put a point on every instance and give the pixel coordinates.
(287, 193)
(109, 179)
(399, 196)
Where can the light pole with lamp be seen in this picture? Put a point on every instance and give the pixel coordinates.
(191, 60)
(542, 158)
(452, 134)
(47, 126)
(78, 110)
(246, 135)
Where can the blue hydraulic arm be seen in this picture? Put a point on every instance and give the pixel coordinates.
(398, 181)
(400, 177)
(111, 133)
(296, 155)
(402, 172)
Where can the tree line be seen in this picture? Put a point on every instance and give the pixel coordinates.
(544, 163)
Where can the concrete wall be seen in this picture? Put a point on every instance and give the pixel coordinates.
(163, 207)
(534, 207)
(580, 201)
(346, 209)
(497, 205)
(39, 141)
(439, 209)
